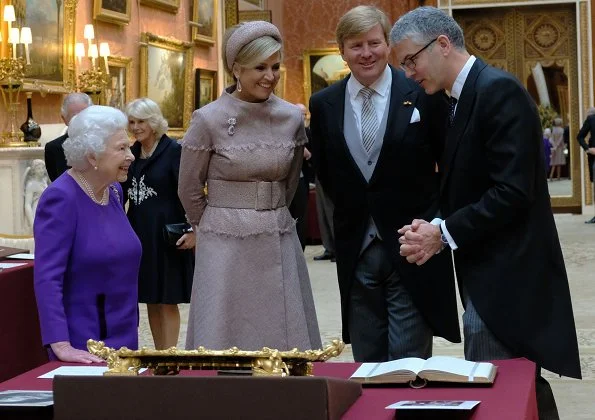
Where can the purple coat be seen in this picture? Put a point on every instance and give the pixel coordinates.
(86, 268)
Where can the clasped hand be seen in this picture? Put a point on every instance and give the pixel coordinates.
(419, 241)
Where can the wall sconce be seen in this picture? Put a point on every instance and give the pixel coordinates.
(93, 80)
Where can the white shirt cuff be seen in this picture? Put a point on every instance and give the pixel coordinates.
(451, 242)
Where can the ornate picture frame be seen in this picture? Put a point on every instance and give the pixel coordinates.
(205, 87)
(322, 67)
(205, 15)
(280, 88)
(113, 11)
(168, 5)
(248, 15)
(166, 77)
(118, 92)
(52, 63)
(231, 13)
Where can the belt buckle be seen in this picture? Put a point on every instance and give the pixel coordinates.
(264, 194)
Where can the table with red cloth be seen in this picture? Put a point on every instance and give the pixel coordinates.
(20, 337)
(512, 397)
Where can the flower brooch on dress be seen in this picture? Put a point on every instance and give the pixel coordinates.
(232, 126)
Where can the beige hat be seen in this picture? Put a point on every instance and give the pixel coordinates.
(246, 33)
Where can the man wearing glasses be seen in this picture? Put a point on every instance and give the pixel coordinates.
(376, 139)
(495, 207)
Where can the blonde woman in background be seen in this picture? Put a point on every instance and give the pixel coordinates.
(165, 277)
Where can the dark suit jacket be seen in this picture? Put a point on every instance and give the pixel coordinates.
(496, 204)
(404, 186)
(55, 161)
(588, 127)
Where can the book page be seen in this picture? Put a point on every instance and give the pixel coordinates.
(372, 370)
(458, 367)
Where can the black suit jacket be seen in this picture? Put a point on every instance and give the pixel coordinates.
(55, 161)
(404, 186)
(588, 127)
(496, 204)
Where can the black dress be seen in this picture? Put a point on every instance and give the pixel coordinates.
(152, 191)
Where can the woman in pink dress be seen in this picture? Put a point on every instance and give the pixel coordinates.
(251, 287)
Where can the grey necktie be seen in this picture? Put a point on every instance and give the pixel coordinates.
(369, 119)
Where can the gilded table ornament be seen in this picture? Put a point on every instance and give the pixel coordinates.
(265, 362)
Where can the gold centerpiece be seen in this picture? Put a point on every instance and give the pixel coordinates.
(265, 362)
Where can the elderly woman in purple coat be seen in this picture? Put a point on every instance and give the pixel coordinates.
(86, 254)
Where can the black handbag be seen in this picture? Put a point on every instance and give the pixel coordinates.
(172, 232)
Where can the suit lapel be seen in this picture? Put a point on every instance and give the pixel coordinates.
(401, 106)
(463, 111)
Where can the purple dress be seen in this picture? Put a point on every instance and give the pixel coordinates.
(86, 268)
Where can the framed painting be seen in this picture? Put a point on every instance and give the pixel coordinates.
(231, 13)
(118, 92)
(280, 88)
(322, 67)
(52, 55)
(169, 5)
(166, 78)
(205, 87)
(204, 15)
(113, 11)
(248, 15)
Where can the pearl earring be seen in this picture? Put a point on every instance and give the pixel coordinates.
(95, 167)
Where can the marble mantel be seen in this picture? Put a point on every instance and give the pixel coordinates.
(21, 183)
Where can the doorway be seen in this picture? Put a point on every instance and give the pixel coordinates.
(539, 46)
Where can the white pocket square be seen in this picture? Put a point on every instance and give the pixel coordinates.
(415, 117)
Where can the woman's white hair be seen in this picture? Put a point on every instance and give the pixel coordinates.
(148, 110)
(89, 131)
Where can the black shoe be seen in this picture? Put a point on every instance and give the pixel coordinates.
(590, 221)
(326, 255)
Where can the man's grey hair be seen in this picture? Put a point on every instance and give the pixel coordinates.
(424, 24)
(74, 98)
(89, 131)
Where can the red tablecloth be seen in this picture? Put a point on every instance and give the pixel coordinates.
(20, 338)
(512, 397)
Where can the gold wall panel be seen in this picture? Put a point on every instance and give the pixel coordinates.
(516, 39)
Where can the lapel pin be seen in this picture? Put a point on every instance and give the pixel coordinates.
(407, 103)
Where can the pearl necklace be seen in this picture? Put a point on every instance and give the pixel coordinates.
(146, 155)
(87, 187)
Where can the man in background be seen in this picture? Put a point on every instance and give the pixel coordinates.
(299, 205)
(589, 148)
(55, 161)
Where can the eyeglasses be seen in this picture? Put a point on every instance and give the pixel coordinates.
(409, 63)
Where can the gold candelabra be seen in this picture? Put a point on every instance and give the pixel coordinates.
(12, 73)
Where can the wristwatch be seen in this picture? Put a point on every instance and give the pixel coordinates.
(443, 237)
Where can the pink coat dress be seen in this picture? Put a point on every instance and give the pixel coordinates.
(251, 286)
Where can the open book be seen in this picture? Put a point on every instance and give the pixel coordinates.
(438, 368)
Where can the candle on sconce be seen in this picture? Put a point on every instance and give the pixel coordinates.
(105, 53)
(89, 34)
(79, 53)
(13, 39)
(26, 39)
(93, 53)
(9, 16)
